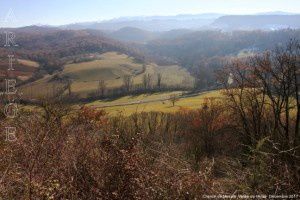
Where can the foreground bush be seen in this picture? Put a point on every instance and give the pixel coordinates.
(62, 154)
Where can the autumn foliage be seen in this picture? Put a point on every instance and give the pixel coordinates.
(243, 143)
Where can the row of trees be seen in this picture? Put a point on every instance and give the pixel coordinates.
(146, 82)
(128, 86)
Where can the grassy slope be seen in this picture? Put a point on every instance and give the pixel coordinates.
(111, 67)
(30, 68)
(158, 103)
(23, 69)
(28, 63)
(162, 105)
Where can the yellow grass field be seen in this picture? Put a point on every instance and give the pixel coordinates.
(156, 102)
(23, 69)
(28, 63)
(110, 67)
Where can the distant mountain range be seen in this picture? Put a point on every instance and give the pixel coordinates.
(150, 23)
(251, 22)
(265, 21)
(276, 13)
(154, 25)
(131, 34)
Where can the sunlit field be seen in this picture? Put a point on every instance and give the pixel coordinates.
(159, 102)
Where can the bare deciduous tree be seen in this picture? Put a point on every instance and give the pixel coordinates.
(265, 94)
(69, 86)
(174, 98)
(127, 83)
(101, 88)
(147, 81)
(159, 78)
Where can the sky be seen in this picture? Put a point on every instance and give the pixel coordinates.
(59, 12)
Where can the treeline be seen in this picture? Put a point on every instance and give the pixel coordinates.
(204, 52)
(191, 48)
(60, 86)
(151, 83)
